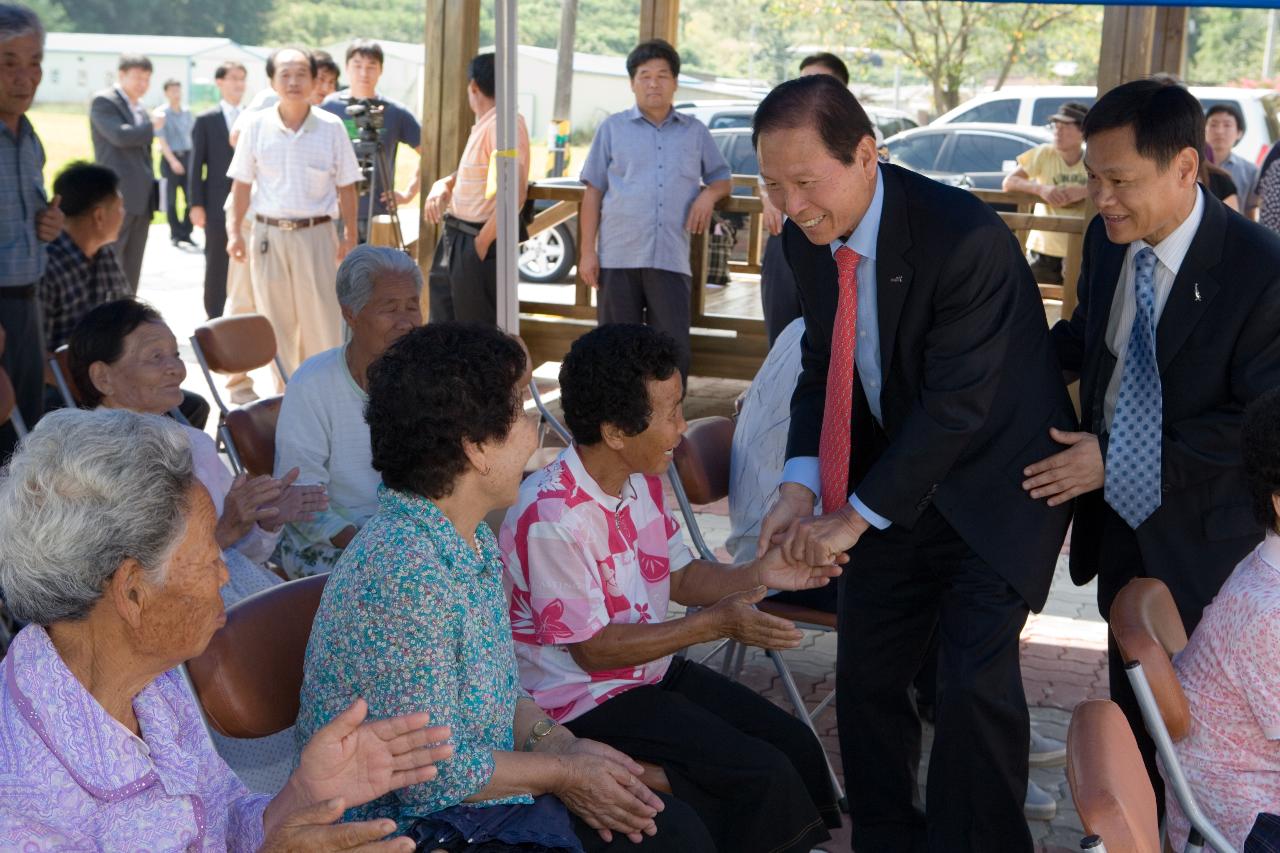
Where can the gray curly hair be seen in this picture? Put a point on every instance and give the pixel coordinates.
(85, 491)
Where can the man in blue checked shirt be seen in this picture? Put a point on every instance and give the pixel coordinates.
(653, 176)
(28, 219)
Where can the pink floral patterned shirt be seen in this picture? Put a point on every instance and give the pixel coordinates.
(73, 778)
(1230, 671)
(577, 560)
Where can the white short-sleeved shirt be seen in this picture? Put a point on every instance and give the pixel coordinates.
(577, 560)
(296, 175)
(1230, 671)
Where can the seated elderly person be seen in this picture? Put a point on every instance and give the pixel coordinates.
(1230, 669)
(124, 356)
(593, 557)
(107, 551)
(414, 618)
(322, 431)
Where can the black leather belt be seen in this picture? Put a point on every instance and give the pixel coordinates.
(292, 224)
(21, 291)
(472, 228)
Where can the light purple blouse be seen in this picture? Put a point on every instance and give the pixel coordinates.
(74, 778)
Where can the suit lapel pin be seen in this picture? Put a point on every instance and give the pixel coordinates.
(1196, 290)
(897, 279)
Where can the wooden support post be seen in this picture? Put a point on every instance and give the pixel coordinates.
(452, 38)
(660, 19)
(1141, 40)
(1169, 44)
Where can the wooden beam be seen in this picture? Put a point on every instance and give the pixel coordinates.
(660, 19)
(1138, 41)
(1169, 52)
(452, 38)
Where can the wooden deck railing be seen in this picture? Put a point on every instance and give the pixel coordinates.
(734, 346)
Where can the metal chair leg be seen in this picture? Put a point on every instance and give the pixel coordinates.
(797, 702)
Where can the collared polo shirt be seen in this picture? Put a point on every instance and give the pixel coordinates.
(296, 175)
(177, 129)
(650, 175)
(471, 201)
(22, 195)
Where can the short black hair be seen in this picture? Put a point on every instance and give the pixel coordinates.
(227, 67)
(133, 60)
(325, 62)
(829, 61)
(603, 378)
(653, 49)
(818, 101)
(481, 72)
(1260, 443)
(366, 48)
(436, 386)
(99, 336)
(83, 186)
(1166, 119)
(306, 54)
(168, 83)
(1231, 110)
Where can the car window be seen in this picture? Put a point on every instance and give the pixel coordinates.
(743, 161)
(983, 152)
(1004, 111)
(724, 141)
(918, 152)
(729, 120)
(1042, 108)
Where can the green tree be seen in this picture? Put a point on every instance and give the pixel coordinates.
(1225, 45)
(241, 20)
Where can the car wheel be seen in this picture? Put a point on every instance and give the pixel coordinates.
(548, 257)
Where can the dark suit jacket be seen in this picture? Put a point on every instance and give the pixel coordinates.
(1216, 354)
(970, 383)
(207, 183)
(124, 147)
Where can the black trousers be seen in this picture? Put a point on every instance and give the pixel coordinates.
(215, 263)
(753, 773)
(23, 358)
(659, 298)
(778, 294)
(132, 244)
(179, 227)
(461, 286)
(901, 586)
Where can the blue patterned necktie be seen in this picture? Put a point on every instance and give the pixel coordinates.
(1132, 481)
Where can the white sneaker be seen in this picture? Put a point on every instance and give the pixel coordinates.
(1040, 804)
(1045, 751)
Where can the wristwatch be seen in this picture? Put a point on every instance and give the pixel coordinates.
(540, 729)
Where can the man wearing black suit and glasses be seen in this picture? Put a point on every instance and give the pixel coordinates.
(208, 184)
(928, 383)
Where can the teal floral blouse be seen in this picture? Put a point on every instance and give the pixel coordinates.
(413, 619)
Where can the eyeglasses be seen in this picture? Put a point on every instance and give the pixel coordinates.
(1051, 124)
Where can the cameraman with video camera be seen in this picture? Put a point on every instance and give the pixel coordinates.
(373, 113)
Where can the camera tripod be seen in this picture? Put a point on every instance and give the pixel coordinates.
(375, 165)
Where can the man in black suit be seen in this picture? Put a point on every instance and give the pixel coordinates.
(912, 419)
(122, 132)
(208, 184)
(1177, 329)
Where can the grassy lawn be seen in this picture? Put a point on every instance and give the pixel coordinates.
(65, 135)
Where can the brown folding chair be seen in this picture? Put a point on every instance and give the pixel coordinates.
(252, 434)
(700, 475)
(1109, 782)
(9, 413)
(235, 344)
(1149, 632)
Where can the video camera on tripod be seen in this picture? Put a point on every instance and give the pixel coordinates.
(368, 115)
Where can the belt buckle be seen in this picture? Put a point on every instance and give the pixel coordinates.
(287, 225)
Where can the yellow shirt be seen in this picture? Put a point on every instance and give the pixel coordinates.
(1044, 164)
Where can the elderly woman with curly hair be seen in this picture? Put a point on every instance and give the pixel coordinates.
(414, 618)
(107, 550)
(593, 558)
(1230, 668)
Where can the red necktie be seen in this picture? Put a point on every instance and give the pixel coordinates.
(834, 445)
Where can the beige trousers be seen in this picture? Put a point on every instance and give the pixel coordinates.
(294, 286)
(240, 301)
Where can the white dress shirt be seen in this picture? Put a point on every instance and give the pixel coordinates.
(1170, 253)
(230, 112)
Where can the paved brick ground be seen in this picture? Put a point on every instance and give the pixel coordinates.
(1063, 648)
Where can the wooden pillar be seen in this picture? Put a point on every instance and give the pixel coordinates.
(1138, 41)
(452, 39)
(1169, 44)
(659, 19)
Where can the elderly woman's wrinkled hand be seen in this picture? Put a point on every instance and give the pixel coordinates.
(295, 503)
(313, 828)
(249, 501)
(602, 787)
(775, 572)
(360, 761)
(737, 618)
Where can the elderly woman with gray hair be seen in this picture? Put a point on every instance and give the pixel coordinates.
(322, 431)
(107, 550)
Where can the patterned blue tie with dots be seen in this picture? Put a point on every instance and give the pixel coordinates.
(1132, 481)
